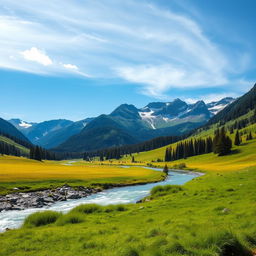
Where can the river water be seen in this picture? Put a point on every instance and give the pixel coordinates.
(121, 195)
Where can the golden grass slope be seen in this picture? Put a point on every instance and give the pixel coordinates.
(20, 170)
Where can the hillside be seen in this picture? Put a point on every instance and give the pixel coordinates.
(9, 129)
(24, 150)
(238, 108)
(101, 133)
(159, 153)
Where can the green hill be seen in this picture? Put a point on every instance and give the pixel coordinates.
(159, 153)
(24, 150)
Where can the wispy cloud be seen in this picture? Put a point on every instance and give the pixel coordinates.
(135, 41)
(70, 66)
(211, 97)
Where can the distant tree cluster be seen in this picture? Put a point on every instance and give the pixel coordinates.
(189, 148)
(118, 152)
(222, 143)
(7, 149)
(38, 153)
(249, 136)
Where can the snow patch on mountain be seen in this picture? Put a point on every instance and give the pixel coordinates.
(25, 125)
(214, 110)
(148, 117)
(215, 107)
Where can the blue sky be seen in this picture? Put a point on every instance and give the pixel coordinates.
(78, 59)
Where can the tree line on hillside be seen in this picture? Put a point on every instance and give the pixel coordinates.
(242, 123)
(118, 152)
(7, 149)
(188, 148)
(18, 141)
(38, 153)
(221, 145)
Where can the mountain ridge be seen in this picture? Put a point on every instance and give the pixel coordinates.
(154, 120)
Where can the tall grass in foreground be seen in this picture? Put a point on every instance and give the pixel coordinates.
(94, 208)
(41, 218)
(166, 189)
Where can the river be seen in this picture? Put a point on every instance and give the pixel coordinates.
(121, 195)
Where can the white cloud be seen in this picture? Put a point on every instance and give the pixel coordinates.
(211, 97)
(37, 55)
(70, 66)
(158, 79)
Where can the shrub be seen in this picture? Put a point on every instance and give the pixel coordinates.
(41, 218)
(87, 208)
(167, 189)
(70, 218)
(180, 166)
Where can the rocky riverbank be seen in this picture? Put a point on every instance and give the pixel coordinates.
(38, 199)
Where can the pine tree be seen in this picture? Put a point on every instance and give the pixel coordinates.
(223, 143)
(167, 154)
(166, 170)
(249, 136)
(216, 140)
(237, 141)
(38, 155)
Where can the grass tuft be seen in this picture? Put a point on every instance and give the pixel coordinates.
(164, 190)
(112, 208)
(41, 218)
(87, 208)
(70, 218)
(176, 248)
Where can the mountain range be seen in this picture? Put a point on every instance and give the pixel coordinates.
(49, 134)
(125, 125)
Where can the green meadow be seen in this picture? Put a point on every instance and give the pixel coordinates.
(211, 215)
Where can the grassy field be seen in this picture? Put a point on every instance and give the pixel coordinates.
(212, 215)
(30, 175)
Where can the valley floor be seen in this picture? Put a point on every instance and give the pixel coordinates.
(214, 214)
